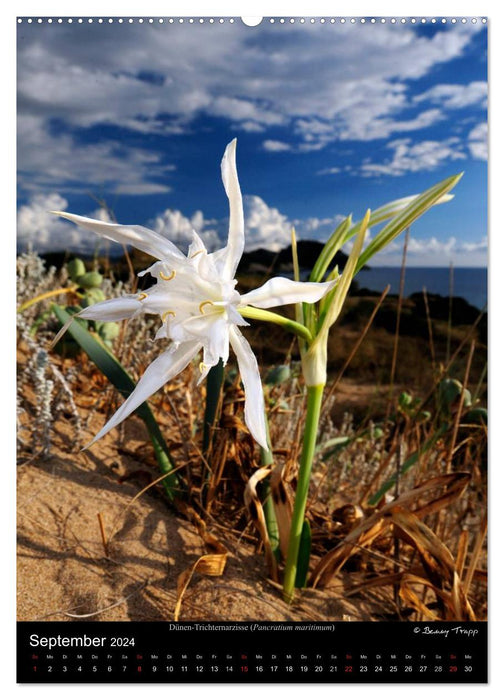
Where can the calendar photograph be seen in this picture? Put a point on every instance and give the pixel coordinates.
(252, 358)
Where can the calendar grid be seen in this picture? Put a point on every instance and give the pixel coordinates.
(252, 652)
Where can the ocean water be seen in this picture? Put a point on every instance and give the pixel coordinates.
(469, 283)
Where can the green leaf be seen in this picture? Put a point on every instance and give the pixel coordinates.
(298, 307)
(270, 517)
(330, 249)
(304, 555)
(214, 382)
(332, 303)
(115, 372)
(264, 488)
(387, 211)
(333, 446)
(406, 217)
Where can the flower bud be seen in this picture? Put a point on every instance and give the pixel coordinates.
(450, 391)
(75, 269)
(477, 415)
(90, 279)
(109, 330)
(92, 296)
(278, 375)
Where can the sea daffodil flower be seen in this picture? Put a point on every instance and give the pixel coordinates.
(198, 304)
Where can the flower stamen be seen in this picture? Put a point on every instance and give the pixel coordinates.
(142, 296)
(167, 278)
(204, 303)
(166, 314)
(202, 367)
(196, 253)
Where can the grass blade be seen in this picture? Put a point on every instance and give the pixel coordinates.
(410, 462)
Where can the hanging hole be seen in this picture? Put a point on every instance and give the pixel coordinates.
(252, 21)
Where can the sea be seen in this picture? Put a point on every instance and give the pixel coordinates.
(470, 283)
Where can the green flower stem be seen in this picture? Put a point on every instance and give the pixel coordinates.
(287, 323)
(314, 404)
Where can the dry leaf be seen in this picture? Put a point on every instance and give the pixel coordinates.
(255, 509)
(451, 487)
(283, 507)
(208, 565)
(211, 564)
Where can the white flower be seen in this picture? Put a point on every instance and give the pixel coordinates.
(198, 304)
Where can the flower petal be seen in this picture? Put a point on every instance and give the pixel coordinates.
(193, 328)
(235, 317)
(280, 290)
(196, 247)
(254, 397)
(236, 236)
(112, 309)
(215, 346)
(140, 237)
(161, 298)
(160, 371)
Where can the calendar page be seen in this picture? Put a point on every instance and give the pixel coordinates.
(252, 349)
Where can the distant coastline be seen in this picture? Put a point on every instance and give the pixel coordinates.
(469, 283)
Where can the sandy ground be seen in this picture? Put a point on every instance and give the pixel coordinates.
(65, 572)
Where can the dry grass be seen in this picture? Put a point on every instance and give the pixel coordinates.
(418, 553)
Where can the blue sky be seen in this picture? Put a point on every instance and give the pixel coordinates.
(330, 119)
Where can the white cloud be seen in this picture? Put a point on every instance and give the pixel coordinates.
(415, 157)
(276, 146)
(249, 126)
(382, 127)
(265, 226)
(47, 161)
(244, 110)
(329, 171)
(158, 79)
(435, 252)
(475, 247)
(432, 245)
(179, 228)
(456, 96)
(478, 141)
(140, 188)
(355, 123)
(314, 228)
(43, 231)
